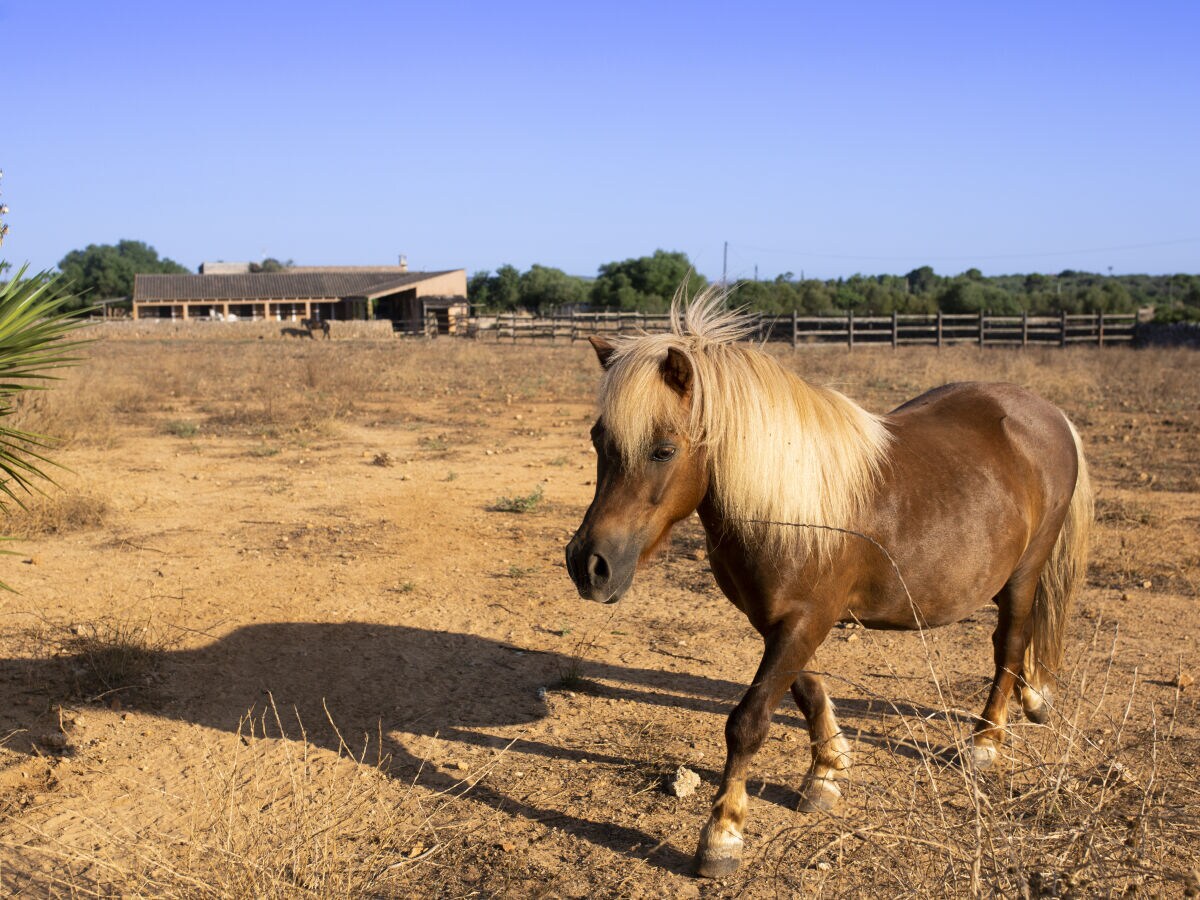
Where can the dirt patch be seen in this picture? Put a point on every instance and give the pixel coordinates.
(380, 681)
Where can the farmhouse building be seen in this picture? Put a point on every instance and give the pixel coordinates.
(411, 300)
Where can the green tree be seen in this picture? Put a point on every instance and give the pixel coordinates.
(102, 271)
(270, 264)
(921, 280)
(478, 289)
(544, 288)
(645, 283)
(506, 288)
(499, 291)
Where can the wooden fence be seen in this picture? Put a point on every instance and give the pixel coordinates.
(935, 330)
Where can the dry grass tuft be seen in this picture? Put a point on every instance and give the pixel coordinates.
(524, 503)
(109, 658)
(269, 815)
(1078, 809)
(61, 512)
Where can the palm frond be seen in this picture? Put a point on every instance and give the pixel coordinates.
(35, 324)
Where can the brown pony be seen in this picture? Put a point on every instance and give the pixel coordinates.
(969, 493)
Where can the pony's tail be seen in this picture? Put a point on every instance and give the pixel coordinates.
(1061, 577)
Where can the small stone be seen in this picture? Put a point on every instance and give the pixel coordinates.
(1184, 680)
(1147, 584)
(683, 783)
(823, 866)
(700, 555)
(851, 638)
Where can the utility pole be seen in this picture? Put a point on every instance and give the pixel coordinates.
(725, 264)
(756, 271)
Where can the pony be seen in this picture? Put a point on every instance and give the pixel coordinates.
(817, 512)
(314, 324)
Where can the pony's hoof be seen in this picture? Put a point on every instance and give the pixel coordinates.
(1038, 715)
(718, 856)
(821, 795)
(1036, 705)
(983, 755)
(716, 866)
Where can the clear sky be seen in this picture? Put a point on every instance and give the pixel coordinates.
(828, 138)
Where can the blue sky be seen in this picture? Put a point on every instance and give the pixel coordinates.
(826, 138)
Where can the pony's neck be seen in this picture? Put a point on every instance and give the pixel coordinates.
(793, 455)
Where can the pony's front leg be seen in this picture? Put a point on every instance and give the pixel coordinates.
(788, 648)
(830, 749)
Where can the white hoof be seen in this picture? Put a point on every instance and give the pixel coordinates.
(1036, 704)
(719, 854)
(820, 795)
(983, 755)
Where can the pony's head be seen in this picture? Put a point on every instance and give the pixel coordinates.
(651, 454)
(692, 413)
(649, 475)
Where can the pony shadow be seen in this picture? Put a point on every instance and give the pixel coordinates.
(397, 681)
(404, 682)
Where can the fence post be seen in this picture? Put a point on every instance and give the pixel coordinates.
(850, 328)
(1062, 322)
(895, 330)
(1099, 329)
(939, 329)
(794, 328)
(981, 340)
(1025, 328)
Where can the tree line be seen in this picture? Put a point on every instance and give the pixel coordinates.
(647, 283)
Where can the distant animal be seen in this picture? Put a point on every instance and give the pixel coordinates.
(314, 325)
(817, 511)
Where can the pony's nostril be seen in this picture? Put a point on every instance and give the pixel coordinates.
(598, 569)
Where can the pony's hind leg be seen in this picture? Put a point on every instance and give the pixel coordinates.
(830, 749)
(1009, 641)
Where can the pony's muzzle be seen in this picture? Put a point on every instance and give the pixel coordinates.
(598, 570)
(599, 575)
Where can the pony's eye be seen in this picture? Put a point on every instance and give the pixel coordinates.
(663, 453)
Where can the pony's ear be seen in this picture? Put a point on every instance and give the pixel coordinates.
(677, 371)
(604, 350)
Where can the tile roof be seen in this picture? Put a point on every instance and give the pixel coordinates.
(293, 285)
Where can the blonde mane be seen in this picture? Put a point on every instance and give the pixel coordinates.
(780, 450)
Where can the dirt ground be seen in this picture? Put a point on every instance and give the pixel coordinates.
(296, 622)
